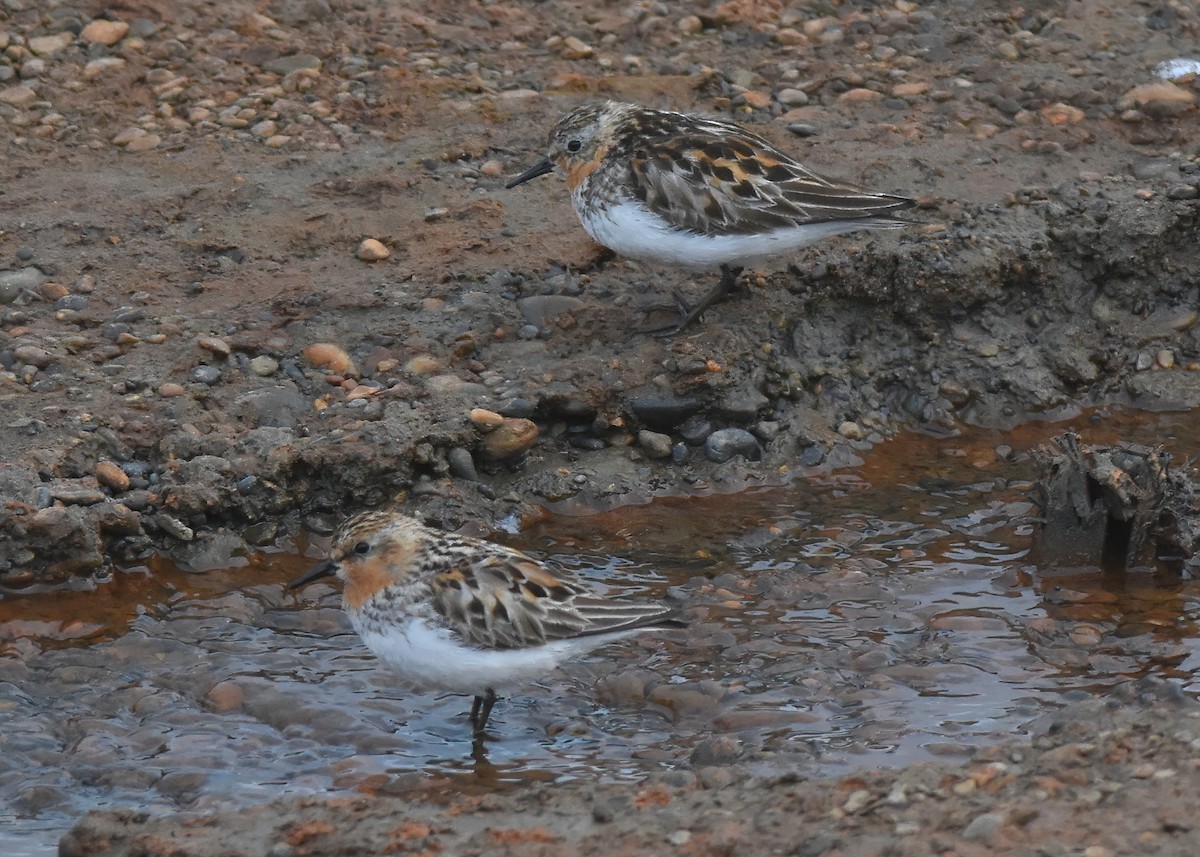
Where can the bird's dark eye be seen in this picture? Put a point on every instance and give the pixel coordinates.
(574, 146)
(362, 548)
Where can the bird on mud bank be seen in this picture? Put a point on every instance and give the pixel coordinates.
(698, 193)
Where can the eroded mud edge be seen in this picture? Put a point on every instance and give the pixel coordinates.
(1060, 301)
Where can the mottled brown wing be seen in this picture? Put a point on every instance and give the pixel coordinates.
(507, 600)
(717, 179)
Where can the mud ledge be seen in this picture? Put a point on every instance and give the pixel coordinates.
(1036, 311)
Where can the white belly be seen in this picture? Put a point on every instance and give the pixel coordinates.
(431, 657)
(633, 231)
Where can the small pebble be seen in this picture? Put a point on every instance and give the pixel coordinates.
(21, 97)
(226, 696)
(48, 45)
(264, 365)
(724, 444)
(53, 291)
(207, 375)
(484, 418)
(214, 344)
(328, 355)
(33, 355)
(654, 444)
(695, 430)
(79, 496)
(103, 32)
(462, 465)
(792, 97)
(422, 364)
(371, 250)
(857, 800)
(510, 439)
(112, 476)
(576, 49)
(13, 283)
(983, 826)
(851, 430)
(174, 527)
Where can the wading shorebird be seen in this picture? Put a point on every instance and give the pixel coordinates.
(460, 614)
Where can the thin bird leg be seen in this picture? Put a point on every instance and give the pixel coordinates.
(729, 278)
(481, 710)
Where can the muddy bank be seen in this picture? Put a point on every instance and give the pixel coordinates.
(186, 197)
(1129, 757)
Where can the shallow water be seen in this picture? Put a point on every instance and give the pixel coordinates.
(887, 614)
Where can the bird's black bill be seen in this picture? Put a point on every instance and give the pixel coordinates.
(323, 569)
(539, 169)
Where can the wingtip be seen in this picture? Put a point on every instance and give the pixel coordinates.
(671, 618)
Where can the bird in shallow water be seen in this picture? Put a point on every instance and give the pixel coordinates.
(464, 615)
(700, 193)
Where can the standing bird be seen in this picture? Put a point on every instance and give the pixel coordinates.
(460, 614)
(698, 193)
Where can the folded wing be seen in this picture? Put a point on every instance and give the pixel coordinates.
(716, 179)
(509, 600)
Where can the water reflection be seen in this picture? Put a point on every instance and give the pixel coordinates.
(875, 617)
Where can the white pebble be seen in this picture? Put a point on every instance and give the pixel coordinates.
(1177, 68)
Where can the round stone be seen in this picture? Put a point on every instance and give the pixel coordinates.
(327, 355)
(371, 250)
(207, 375)
(724, 444)
(654, 444)
(510, 439)
(263, 365)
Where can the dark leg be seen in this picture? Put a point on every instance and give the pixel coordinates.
(729, 278)
(481, 710)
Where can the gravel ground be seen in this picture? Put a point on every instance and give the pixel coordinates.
(258, 269)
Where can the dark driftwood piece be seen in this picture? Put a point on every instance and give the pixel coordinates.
(1115, 506)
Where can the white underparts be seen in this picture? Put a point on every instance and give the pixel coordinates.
(632, 230)
(430, 656)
